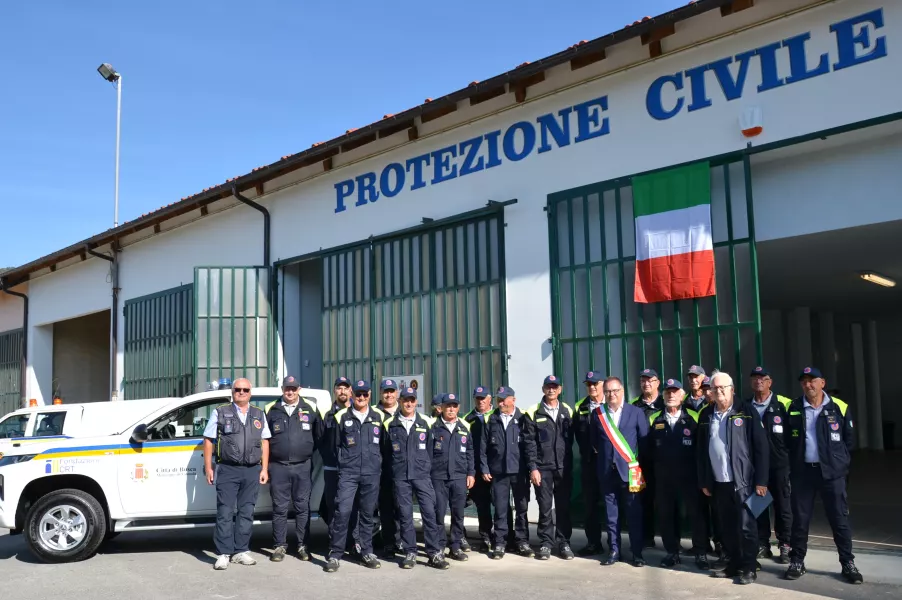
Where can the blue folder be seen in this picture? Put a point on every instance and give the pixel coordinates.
(758, 504)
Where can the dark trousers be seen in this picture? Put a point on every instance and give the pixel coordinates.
(290, 485)
(738, 526)
(554, 525)
(672, 494)
(327, 505)
(592, 498)
(708, 511)
(779, 488)
(236, 494)
(503, 486)
(365, 489)
(481, 493)
(404, 491)
(388, 519)
(451, 492)
(805, 484)
(615, 490)
(648, 502)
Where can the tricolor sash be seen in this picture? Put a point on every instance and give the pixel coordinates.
(636, 480)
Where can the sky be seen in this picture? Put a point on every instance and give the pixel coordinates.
(212, 89)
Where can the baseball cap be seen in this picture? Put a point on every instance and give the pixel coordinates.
(480, 391)
(450, 399)
(504, 392)
(593, 377)
(673, 384)
(290, 382)
(696, 370)
(409, 393)
(760, 371)
(648, 373)
(706, 382)
(811, 372)
(437, 399)
(341, 381)
(361, 386)
(388, 384)
(551, 380)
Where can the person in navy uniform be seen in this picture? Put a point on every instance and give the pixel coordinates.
(548, 442)
(453, 471)
(613, 470)
(650, 401)
(481, 492)
(733, 464)
(820, 445)
(582, 422)
(773, 410)
(239, 435)
(389, 530)
(358, 450)
(341, 399)
(672, 438)
(408, 459)
(503, 463)
(296, 428)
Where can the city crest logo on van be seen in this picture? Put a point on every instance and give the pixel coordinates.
(140, 473)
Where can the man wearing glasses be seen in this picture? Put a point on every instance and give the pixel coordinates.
(240, 436)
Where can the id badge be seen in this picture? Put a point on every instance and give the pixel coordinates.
(277, 427)
(835, 436)
(422, 446)
(228, 426)
(350, 440)
(305, 426)
(778, 429)
(463, 448)
(438, 444)
(396, 446)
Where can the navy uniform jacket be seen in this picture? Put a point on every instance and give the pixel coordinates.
(453, 455)
(746, 443)
(477, 426)
(634, 427)
(500, 450)
(834, 438)
(358, 446)
(327, 443)
(776, 428)
(408, 455)
(582, 423)
(673, 448)
(548, 443)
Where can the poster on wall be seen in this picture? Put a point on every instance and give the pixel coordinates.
(416, 382)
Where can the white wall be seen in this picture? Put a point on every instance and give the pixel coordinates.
(11, 310)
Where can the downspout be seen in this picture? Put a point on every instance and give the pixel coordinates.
(114, 321)
(265, 212)
(23, 369)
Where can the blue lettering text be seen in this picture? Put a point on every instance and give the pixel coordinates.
(366, 189)
(587, 120)
(417, 163)
(469, 149)
(847, 40)
(798, 60)
(559, 131)
(654, 104)
(385, 183)
(441, 161)
(343, 189)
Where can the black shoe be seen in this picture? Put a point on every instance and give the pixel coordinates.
(639, 561)
(765, 552)
(701, 561)
(590, 549)
(498, 554)
(851, 573)
(795, 570)
(331, 565)
(437, 561)
(612, 559)
(410, 561)
(544, 553)
(718, 550)
(748, 577)
(783, 559)
(523, 549)
(303, 554)
(485, 545)
(278, 555)
(458, 554)
(566, 553)
(370, 561)
(720, 564)
(727, 573)
(465, 545)
(671, 560)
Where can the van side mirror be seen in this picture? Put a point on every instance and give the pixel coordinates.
(139, 435)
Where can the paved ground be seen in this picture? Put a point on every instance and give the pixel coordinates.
(179, 565)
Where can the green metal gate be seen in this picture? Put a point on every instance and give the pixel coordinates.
(233, 328)
(596, 324)
(428, 302)
(159, 344)
(10, 370)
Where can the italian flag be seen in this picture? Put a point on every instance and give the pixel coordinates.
(674, 247)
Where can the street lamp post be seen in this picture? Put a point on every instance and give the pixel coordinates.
(109, 73)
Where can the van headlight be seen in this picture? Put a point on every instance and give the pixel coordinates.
(12, 460)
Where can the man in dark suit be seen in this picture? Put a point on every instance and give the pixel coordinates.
(617, 464)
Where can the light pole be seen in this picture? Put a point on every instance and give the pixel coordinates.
(109, 73)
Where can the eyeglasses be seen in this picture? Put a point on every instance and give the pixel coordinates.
(361, 394)
(242, 390)
(721, 388)
(612, 392)
(290, 389)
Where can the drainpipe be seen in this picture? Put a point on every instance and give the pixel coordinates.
(114, 323)
(265, 212)
(23, 369)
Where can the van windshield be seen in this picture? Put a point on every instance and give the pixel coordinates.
(13, 426)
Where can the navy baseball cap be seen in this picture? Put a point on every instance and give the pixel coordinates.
(388, 384)
(437, 399)
(696, 370)
(361, 386)
(761, 371)
(648, 373)
(593, 377)
(450, 399)
(480, 391)
(551, 380)
(504, 392)
(706, 382)
(409, 393)
(673, 384)
(811, 372)
(291, 382)
(341, 381)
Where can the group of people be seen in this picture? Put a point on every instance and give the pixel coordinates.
(695, 450)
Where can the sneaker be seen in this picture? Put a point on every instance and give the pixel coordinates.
(465, 545)
(544, 553)
(566, 552)
(523, 549)
(590, 549)
(701, 561)
(671, 560)
(498, 554)
(222, 562)
(303, 554)
(765, 552)
(851, 573)
(370, 561)
(748, 577)
(244, 558)
(727, 573)
(458, 554)
(410, 561)
(783, 559)
(331, 565)
(795, 570)
(278, 555)
(437, 561)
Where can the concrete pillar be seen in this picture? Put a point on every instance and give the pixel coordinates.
(828, 348)
(39, 378)
(118, 393)
(863, 416)
(875, 409)
(800, 354)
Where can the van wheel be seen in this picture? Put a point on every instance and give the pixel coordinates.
(65, 526)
